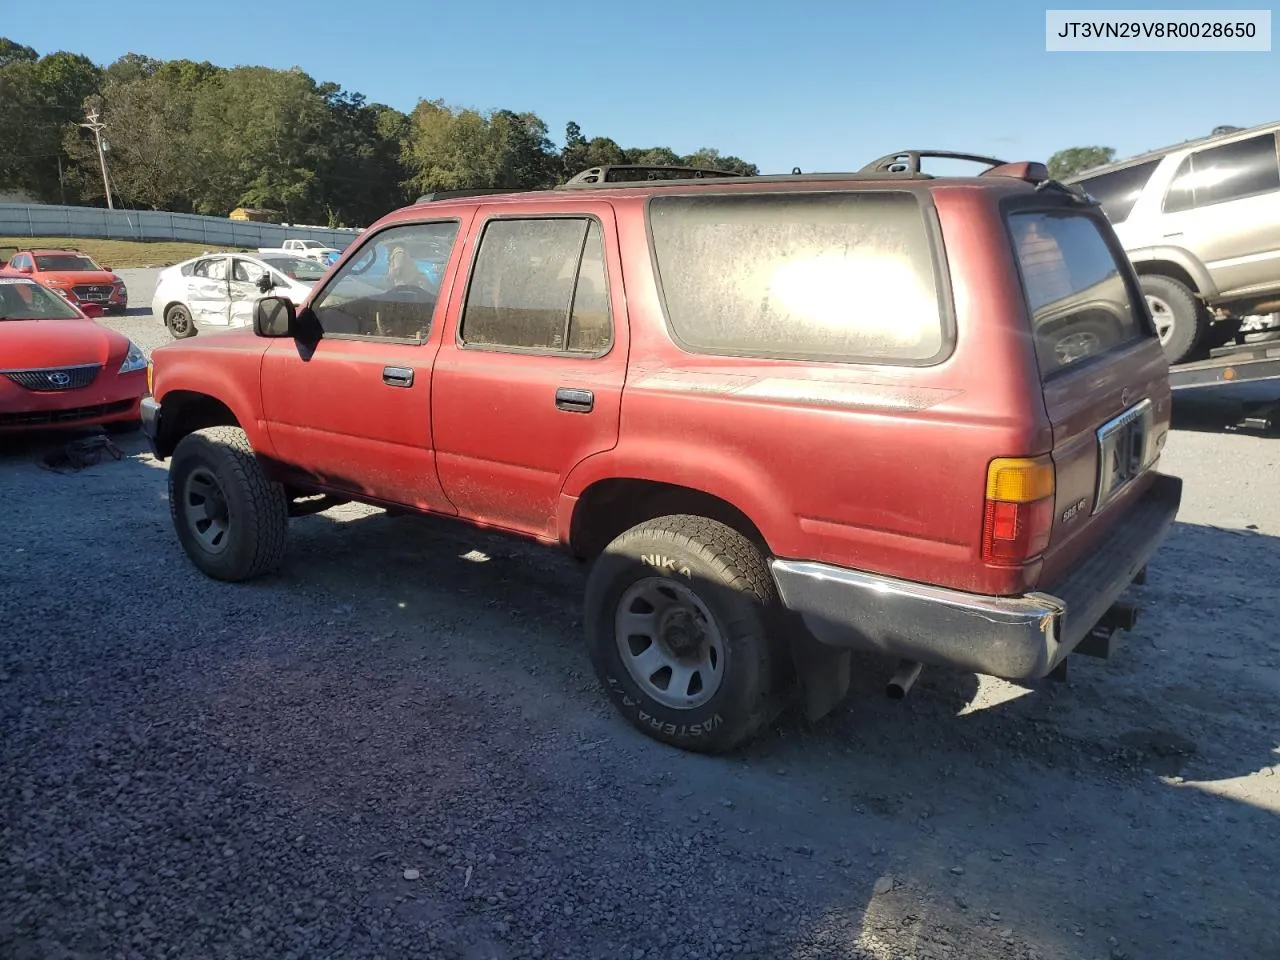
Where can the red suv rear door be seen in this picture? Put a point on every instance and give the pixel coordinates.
(528, 382)
(1104, 374)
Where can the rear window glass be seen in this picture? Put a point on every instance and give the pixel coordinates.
(822, 276)
(1119, 191)
(1080, 304)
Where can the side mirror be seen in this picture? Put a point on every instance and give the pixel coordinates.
(91, 310)
(274, 317)
(265, 282)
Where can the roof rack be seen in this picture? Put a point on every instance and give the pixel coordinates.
(893, 162)
(610, 173)
(451, 194)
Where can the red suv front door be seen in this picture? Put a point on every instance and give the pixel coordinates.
(352, 409)
(529, 380)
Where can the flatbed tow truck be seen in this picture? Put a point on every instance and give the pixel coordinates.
(1248, 372)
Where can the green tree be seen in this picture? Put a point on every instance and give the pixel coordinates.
(40, 99)
(1066, 163)
(148, 126)
(11, 51)
(711, 158)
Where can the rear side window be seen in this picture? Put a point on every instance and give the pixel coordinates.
(1119, 191)
(1081, 305)
(818, 276)
(1232, 171)
(539, 285)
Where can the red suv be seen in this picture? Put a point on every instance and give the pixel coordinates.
(783, 418)
(73, 274)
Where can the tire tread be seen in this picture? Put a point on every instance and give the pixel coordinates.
(268, 506)
(741, 567)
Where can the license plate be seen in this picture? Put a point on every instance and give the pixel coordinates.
(1127, 447)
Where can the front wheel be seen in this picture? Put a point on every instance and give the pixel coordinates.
(681, 618)
(230, 518)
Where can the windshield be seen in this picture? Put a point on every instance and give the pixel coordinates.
(297, 268)
(311, 244)
(72, 262)
(27, 300)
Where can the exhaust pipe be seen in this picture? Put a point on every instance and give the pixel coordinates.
(903, 678)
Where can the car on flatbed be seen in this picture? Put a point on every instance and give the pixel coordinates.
(779, 418)
(1201, 223)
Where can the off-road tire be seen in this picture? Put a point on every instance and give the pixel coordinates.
(179, 322)
(731, 578)
(257, 508)
(1190, 320)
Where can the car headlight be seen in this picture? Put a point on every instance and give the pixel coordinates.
(135, 360)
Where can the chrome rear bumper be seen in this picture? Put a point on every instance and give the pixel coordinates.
(1017, 638)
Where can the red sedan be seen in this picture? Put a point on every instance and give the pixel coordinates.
(58, 367)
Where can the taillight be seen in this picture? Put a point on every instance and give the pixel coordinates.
(1018, 518)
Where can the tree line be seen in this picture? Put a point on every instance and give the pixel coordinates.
(190, 137)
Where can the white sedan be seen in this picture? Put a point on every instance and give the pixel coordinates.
(220, 289)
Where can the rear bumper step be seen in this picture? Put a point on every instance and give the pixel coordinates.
(1017, 638)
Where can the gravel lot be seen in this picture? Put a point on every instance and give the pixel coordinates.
(396, 748)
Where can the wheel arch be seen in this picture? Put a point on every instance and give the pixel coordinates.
(608, 507)
(1182, 268)
(184, 411)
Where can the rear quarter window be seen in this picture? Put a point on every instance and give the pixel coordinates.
(1080, 302)
(809, 276)
(1119, 190)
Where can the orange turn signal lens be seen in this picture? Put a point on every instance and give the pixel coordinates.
(150, 375)
(1020, 479)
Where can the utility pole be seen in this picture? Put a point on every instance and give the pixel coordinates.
(97, 127)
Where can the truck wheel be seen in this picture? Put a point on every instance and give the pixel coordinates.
(681, 619)
(178, 320)
(229, 517)
(1180, 319)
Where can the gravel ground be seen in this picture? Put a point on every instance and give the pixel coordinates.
(396, 748)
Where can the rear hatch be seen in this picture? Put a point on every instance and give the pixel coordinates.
(1104, 374)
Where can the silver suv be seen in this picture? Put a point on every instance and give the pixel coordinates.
(1201, 223)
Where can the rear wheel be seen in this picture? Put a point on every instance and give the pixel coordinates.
(1180, 318)
(681, 617)
(179, 323)
(229, 516)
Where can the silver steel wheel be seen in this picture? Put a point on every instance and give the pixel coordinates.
(669, 643)
(1162, 314)
(1074, 346)
(204, 509)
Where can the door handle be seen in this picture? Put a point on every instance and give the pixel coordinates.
(397, 376)
(575, 400)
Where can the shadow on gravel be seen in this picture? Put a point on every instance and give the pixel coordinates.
(411, 694)
(1215, 410)
(30, 446)
(940, 821)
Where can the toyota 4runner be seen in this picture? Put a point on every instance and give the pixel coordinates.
(782, 418)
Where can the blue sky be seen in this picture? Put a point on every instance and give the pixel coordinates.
(819, 85)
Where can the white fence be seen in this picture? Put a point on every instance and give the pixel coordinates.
(47, 220)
